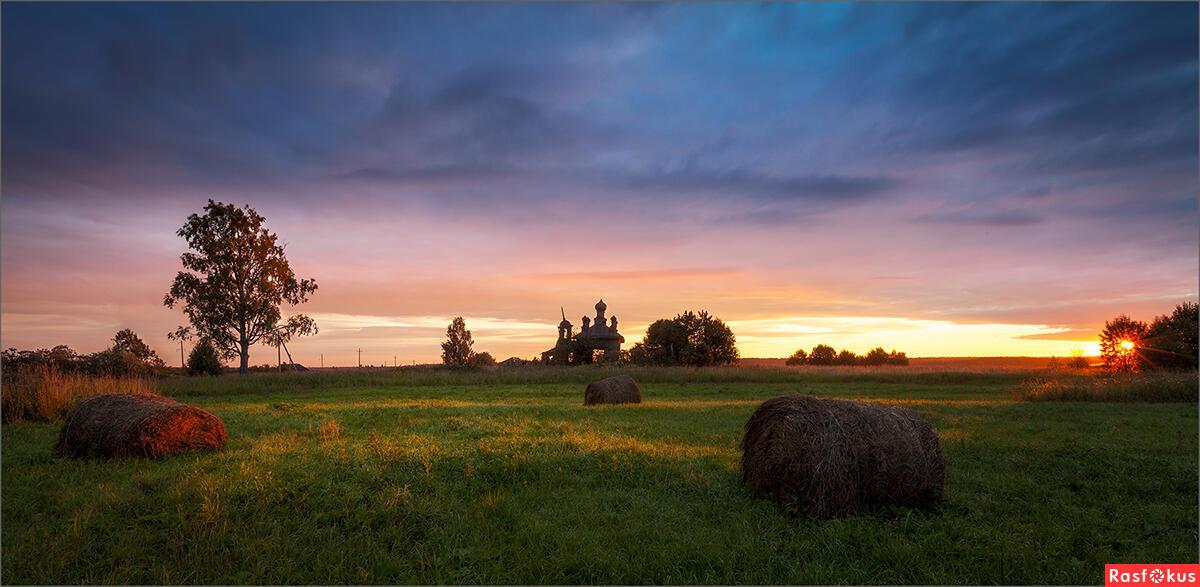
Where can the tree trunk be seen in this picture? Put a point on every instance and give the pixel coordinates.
(244, 367)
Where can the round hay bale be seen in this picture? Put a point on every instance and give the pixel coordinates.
(124, 425)
(619, 389)
(830, 458)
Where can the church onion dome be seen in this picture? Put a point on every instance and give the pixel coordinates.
(601, 306)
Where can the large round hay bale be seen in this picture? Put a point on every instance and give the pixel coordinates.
(832, 457)
(619, 389)
(124, 425)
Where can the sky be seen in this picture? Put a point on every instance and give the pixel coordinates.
(943, 179)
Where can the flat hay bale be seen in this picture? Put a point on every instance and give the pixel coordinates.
(830, 458)
(123, 425)
(619, 389)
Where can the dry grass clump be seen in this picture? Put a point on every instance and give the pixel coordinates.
(329, 430)
(619, 389)
(1150, 387)
(43, 394)
(834, 457)
(148, 426)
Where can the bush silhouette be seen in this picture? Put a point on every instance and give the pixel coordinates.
(1121, 344)
(203, 359)
(483, 359)
(822, 354)
(1171, 340)
(798, 358)
(695, 339)
(876, 356)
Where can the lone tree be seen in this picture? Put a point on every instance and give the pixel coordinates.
(457, 348)
(235, 278)
(1121, 342)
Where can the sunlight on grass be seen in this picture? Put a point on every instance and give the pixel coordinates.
(608, 442)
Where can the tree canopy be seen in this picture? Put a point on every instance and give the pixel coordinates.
(128, 341)
(1171, 339)
(1120, 344)
(692, 338)
(235, 279)
(456, 350)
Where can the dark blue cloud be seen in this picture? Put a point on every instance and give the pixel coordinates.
(972, 218)
(788, 108)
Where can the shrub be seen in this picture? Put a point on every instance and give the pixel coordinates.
(128, 342)
(60, 358)
(822, 354)
(876, 356)
(697, 339)
(1171, 340)
(897, 358)
(798, 358)
(1120, 344)
(116, 362)
(483, 359)
(203, 359)
(846, 358)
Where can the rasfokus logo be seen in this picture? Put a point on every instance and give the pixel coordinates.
(1137, 574)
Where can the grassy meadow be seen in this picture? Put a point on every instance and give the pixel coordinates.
(503, 476)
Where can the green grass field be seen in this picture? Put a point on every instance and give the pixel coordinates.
(425, 480)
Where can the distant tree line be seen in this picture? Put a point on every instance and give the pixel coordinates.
(824, 354)
(1169, 342)
(128, 356)
(694, 339)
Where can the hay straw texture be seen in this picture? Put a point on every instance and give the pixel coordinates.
(124, 425)
(619, 389)
(832, 458)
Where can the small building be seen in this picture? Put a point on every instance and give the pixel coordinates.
(597, 339)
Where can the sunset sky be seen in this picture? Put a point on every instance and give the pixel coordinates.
(948, 180)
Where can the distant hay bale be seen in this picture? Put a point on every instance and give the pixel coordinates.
(833, 457)
(619, 389)
(124, 425)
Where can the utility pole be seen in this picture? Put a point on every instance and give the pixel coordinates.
(360, 357)
(394, 361)
(322, 360)
(181, 361)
